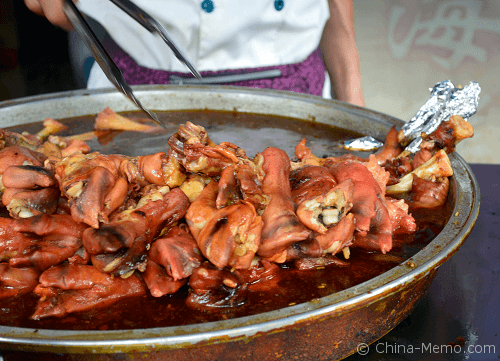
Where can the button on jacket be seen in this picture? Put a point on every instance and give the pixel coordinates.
(215, 34)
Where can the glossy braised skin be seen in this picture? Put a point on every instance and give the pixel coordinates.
(87, 229)
(171, 261)
(120, 246)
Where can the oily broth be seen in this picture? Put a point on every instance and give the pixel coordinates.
(252, 132)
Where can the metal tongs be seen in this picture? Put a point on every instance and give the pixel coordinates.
(105, 61)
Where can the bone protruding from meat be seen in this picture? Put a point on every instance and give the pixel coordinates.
(323, 205)
(438, 166)
(325, 211)
(200, 216)
(339, 236)
(309, 182)
(449, 133)
(25, 203)
(373, 225)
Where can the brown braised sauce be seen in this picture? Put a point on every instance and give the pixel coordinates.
(253, 133)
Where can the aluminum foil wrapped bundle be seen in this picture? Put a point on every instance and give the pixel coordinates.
(445, 100)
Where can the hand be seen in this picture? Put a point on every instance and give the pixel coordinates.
(52, 10)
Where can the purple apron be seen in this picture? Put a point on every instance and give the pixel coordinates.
(306, 77)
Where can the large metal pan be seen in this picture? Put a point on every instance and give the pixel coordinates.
(328, 328)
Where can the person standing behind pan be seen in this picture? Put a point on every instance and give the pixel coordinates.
(301, 38)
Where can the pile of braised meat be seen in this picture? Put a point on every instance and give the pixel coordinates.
(86, 229)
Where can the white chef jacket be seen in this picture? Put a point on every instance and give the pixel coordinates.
(226, 34)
